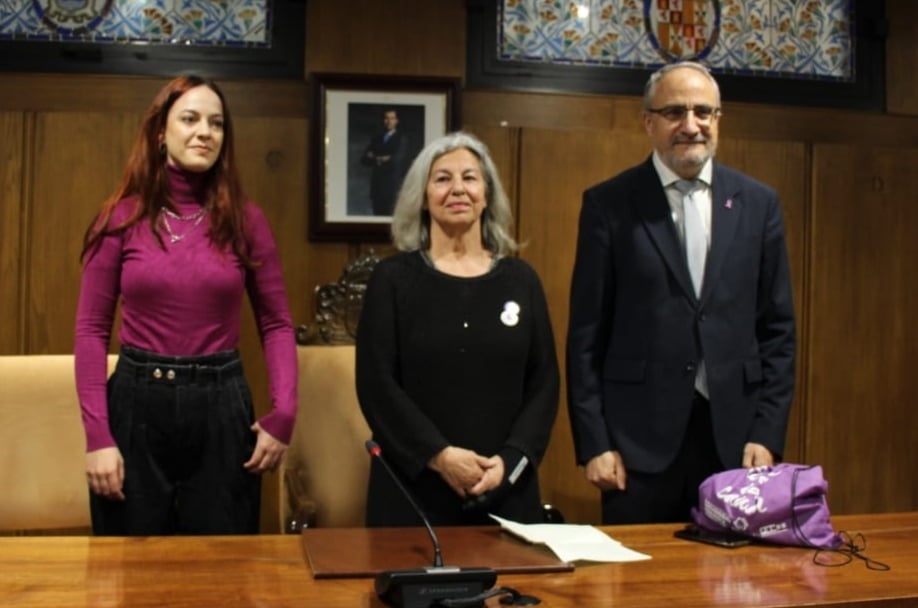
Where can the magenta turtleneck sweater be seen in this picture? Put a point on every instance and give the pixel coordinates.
(185, 300)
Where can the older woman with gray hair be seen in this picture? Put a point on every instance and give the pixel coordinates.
(456, 368)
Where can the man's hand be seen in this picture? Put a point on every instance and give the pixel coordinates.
(757, 455)
(607, 471)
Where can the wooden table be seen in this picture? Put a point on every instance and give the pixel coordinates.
(365, 552)
(271, 572)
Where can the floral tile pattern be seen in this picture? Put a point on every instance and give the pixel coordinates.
(243, 23)
(807, 39)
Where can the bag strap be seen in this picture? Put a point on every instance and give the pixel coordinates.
(851, 546)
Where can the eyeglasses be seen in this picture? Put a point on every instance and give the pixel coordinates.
(703, 113)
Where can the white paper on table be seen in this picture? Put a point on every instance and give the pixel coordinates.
(572, 542)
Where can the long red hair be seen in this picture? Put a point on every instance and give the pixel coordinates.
(145, 177)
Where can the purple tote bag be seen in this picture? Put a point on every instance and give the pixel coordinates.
(784, 504)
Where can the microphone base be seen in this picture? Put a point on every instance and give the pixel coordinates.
(420, 588)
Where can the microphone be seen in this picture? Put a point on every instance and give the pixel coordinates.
(376, 452)
(425, 587)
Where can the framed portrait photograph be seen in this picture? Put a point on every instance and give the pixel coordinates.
(366, 133)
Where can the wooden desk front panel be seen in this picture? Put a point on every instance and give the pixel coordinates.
(271, 572)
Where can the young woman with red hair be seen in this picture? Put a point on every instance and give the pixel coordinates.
(172, 443)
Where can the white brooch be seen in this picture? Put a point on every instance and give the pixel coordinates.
(511, 314)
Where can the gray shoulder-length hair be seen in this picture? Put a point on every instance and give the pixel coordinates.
(411, 220)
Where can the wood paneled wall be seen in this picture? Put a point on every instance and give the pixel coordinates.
(863, 333)
(847, 181)
(12, 295)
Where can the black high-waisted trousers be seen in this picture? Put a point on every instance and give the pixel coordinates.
(183, 427)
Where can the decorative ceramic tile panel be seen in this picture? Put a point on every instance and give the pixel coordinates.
(807, 39)
(238, 23)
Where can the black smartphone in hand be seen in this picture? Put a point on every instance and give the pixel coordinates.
(721, 539)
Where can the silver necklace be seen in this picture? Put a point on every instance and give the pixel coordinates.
(194, 217)
(185, 218)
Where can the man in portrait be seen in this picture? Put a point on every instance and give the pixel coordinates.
(387, 157)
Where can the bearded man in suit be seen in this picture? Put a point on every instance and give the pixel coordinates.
(681, 343)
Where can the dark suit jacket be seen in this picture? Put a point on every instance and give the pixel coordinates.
(637, 330)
